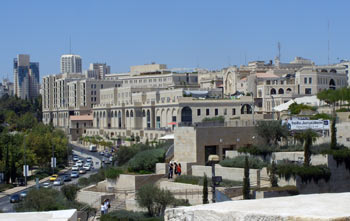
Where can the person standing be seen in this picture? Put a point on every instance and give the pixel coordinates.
(179, 169)
(175, 168)
(102, 209)
(171, 171)
(105, 203)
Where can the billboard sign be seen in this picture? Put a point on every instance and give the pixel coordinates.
(296, 124)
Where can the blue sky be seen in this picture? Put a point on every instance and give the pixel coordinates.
(181, 33)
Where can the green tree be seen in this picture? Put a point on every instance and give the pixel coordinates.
(70, 191)
(205, 189)
(273, 175)
(307, 137)
(246, 181)
(271, 131)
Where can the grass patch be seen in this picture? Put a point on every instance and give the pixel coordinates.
(197, 180)
(5, 186)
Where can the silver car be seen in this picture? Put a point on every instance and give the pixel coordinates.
(58, 182)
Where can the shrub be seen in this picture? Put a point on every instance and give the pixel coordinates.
(83, 181)
(323, 116)
(254, 150)
(308, 173)
(146, 160)
(70, 191)
(239, 162)
(220, 119)
(297, 108)
(205, 190)
(112, 172)
(343, 110)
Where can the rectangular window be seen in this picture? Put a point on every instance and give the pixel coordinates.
(305, 80)
(207, 112)
(198, 112)
(225, 111)
(268, 82)
(233, 111)
(307, 90)
(310, 80)
(101, 86)
(216, 112)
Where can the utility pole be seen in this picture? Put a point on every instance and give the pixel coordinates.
(25, 164)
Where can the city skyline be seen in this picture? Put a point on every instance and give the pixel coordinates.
(190, 34)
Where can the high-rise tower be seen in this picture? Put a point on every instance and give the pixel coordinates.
(71, 63)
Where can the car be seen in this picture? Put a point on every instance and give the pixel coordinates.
(53, 177)
(79, 163)
(87, 167)
(75, 168)
(67, 178)
(89, 160)
(102, 153)
(23, 194)
(75, 158)
(15, 198)
(74, 174)
(46, 185)
(111, 159)
(82, 171)
(58, 182)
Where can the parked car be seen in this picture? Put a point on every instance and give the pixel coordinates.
(15, 198)
(53, 177)
(74, 174)
(89, 160)
(87, 167)
(82, 171)
(75, 158)
(58, 182)
(75, 168)
(102, 153)
(46, 185)
(23, 194)
(67, 178)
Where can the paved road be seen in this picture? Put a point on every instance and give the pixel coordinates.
(6, 206)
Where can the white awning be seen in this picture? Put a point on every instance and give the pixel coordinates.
(167, 137)
(307, 100)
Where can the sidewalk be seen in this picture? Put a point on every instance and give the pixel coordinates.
(29, 184)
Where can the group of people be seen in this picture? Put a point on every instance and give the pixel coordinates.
(105, 205)
(174, 168)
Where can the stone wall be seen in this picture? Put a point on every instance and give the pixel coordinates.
(270, 194)
(185, 144)
(227, 173)
(129, 182)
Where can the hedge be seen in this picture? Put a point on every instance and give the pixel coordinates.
(145, 161)
(307, 174)
(112, 172)
(254, 162)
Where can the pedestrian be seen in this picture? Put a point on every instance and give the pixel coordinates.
(175, 168)
(102, 209)
(171, 171)
(179, 169)
(105, 203)
(108, 204)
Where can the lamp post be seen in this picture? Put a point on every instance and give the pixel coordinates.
(213, 159)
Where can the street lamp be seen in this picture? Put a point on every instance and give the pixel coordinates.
(213, 159)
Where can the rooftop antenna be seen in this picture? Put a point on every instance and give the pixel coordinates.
(279, 51)
(328, 41)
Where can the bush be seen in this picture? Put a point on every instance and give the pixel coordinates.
(323, 116)
(220, 119)
(297, 108)
(254, 150)
(83, 181)
(343, 110)
(5, 186)
(239, 162)
(308, 173)
(146, 160)
(122, 215)
(70, 191)
(112, 172)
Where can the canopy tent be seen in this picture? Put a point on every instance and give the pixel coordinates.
(307, 100)
(167, 137)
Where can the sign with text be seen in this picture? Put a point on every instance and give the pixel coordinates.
(296, 124)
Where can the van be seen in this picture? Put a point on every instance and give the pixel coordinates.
(93, 148)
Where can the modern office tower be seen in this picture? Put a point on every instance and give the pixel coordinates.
(99, 70)
(71, 63)
(26, 76)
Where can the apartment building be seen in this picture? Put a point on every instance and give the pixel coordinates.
(71, 64)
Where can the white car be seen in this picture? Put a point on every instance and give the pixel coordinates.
(75, 168)
(46, 185)
(87, 167)
(88, 160)
(79, 163)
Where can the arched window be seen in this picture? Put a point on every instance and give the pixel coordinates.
(143, 113)
(280, 91)
(127, 113)
(333, 71)
(246, 109)
(273, 91)
(104, 114)
(131, 113)
(289, 90)
(186, 115)
(332, 84)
